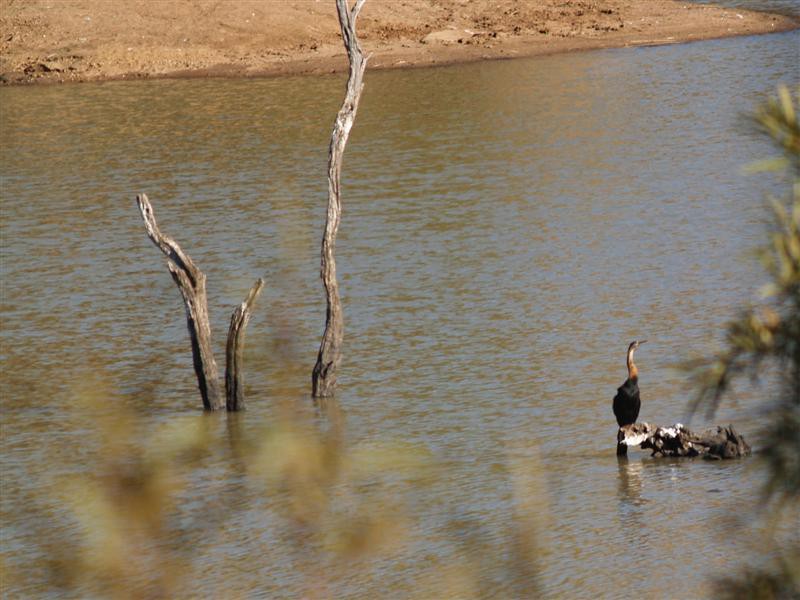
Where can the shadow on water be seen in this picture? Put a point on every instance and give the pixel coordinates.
(630, 486)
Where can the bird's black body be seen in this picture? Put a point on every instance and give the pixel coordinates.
(627, 402)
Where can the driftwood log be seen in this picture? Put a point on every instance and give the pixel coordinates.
(323, 378)
(715, 443)
(192, 284)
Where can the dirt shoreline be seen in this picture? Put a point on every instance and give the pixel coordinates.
(48, 41)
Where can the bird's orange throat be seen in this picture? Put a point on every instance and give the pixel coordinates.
(633, 372)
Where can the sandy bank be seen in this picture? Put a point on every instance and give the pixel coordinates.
(89, 40)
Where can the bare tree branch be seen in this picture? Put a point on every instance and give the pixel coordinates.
(329, 357)
(192, 284)
(234, 382)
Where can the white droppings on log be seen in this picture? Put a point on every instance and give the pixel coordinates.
(635, 440)
(670, 432)
(715, 442)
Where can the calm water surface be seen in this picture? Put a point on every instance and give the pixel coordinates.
(508, 228)
(784, 7)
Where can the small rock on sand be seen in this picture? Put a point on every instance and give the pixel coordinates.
(445, 36)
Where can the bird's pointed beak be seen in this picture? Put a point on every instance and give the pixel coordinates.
(642, 342)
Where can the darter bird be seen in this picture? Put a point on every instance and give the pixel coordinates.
(627, 402)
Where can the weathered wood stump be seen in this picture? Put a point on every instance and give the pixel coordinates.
(192, 283)
(234, 350)
(714, 443)
(323, 377)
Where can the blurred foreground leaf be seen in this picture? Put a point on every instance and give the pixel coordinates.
(765, 339)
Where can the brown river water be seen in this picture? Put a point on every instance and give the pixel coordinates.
(508, 229)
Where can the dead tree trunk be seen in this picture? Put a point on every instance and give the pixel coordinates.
(192, 284)
(716, 442)
(234, 384)
(323, 379)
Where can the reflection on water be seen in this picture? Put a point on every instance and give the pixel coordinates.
(630, 482)
(632, 513)
(508, 228)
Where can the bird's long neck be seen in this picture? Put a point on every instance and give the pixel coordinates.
(633, 372)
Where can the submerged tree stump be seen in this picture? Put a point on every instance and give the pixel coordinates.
(715, 443)
(192, 283)
(234, 349)
(323, 377)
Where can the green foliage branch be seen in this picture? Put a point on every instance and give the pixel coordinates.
(765, 338)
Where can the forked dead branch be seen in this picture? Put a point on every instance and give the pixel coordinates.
(192, 283)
